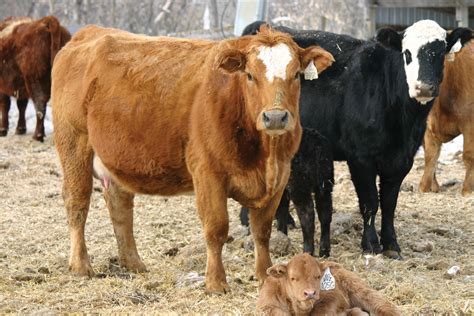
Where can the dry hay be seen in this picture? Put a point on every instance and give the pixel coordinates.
(435, 232)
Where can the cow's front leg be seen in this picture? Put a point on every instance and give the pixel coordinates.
(120, 205)
(40, 98)
(389, 189)
(432, 148)
(468, 157)
(211, 200)
(363, 177)
(4, 109)
(261, 227)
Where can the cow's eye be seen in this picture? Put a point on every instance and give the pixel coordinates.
(407, 56)
(293, 279)
(249, 77)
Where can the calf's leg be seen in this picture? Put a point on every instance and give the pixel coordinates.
(75, 155)
(363, 177)
(211, 201)
(120, 205)
(4, 109)
(21, 126)
(432, 148)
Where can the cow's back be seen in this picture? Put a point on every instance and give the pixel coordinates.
(134, 92)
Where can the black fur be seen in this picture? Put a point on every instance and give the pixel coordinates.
(311, 172)
(361, 104)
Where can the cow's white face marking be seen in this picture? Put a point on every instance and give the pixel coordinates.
(275, 59)
(415, 37)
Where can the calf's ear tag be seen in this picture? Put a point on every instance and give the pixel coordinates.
(311, 72)
(327, 281)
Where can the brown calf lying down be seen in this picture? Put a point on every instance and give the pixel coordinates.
(305, 286)
(167, 116)
(452, 114)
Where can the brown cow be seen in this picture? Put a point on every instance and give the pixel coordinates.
(160, 115)
(27, 50)
(305, 286)
(452, 114)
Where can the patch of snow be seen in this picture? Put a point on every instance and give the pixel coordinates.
(449, 150)
(30, 118)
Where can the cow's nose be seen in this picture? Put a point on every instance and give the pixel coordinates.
(310, 293)
(424, 89)
(275, 119)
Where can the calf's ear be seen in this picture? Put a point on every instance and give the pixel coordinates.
(314, 60)
(461, 34)
(230, 60)
(277, 271)
(389, 38)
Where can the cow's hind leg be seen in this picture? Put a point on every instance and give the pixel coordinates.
(468, 157)
(75, 155)
(120, 205)
(432, 149)
(4, 108)
(303, 201)
(324, 208)
(21, 126)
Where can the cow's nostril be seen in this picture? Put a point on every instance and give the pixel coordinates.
(309, 293)
(284, 119)
(266, 118)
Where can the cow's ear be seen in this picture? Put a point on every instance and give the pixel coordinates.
(461, 34)
(314, 60)
(277, 271)
(230, 60)
(389, 38)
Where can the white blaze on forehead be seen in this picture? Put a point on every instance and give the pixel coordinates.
(275, 59)
(415, 37)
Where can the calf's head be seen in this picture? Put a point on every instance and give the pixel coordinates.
(301, 279)
(423, 46)
(268, 66)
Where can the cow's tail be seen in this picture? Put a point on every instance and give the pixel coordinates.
(361, 295)
(54, 28)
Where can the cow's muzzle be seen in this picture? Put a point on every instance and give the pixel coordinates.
(275, 121)
(425, 92)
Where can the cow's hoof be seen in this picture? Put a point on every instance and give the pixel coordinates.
(38, 137)
(324, 253)
(217, 288)
(392, 254)
(372, 248)
(81, 269)
(466, 192)
(134, 265)
(3, 132)
(20, 131)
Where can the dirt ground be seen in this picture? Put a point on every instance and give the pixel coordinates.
(435, 232)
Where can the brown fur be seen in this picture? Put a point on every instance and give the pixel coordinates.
(168, 116)
(452, 114)
(285, 291)
(27, 49)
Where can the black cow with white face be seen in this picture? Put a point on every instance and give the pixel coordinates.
(372, 105)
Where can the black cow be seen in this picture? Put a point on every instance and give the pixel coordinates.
(312, 171)
(372, 105)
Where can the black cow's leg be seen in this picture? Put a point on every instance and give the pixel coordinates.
(303, 201)
(21, 126)
(389, 189)
(363, 177)
(4, 108)
(244, 216)
(282, 214)
(324, 209)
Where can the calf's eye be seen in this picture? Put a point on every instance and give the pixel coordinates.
(249, 77)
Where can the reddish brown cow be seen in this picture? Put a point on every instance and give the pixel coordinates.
(452, 114)
(305, 286)
(27, 50)
(160, 115)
